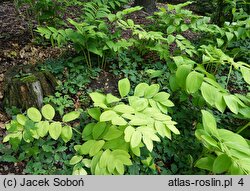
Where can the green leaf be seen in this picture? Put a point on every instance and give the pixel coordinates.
(140, 89)
(122, 108)
(138, 121)
(66, 133)
(75, 159)
(95, 161)
(232, 103)
(98, 129)
(173, 129)
(184, 27)
(95, 113)
(135, 139)
(122, 156)
(85, 147)
(171, 29)
(209, 123)
(55, 130)
(245, 73)
(87, 131)
(138, 104)
(151, 90)
(34, 114)
(148, 142)
(154, 73)
(104, 158)
(235, 169)
(71, 116)
(160, 128)
(79, 171)
(112, 133)
(48, 112)
(42, 128)
(124, 87)
(209, 140)
(182, 73)
(136, 151)
(194, 81)
(229, 36)
(119, 121)
(97, 97)
(205, 163)
(170, 39)
(111, 99)
(209, 93)
(96, 147)
(129, 131)
(21, 119)
(161, 97)
(221, 163)
(220, 42)
(220, 103)
(108, 115)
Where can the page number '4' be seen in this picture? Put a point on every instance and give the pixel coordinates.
(241, 182)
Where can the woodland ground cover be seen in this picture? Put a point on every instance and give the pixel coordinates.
(137, 93)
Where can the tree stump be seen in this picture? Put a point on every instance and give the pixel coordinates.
(25, 87)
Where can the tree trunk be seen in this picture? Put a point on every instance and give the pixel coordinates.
(148, 5)
(25, 87)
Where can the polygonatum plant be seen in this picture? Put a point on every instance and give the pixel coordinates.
(36, 124)
(123, 126)
(227, 152)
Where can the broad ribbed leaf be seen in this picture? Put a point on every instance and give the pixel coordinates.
(48, 112)
(34, 114)
(194, 81)
(209, 93)
(119, 121)
(66, 133)
(87, 131)
(140, 89)
(98, 97)
(182, 73)
(75, 159)
(205, 163)
(232, 103)
(245, 73)
(122, 108)
(151, 90)
(71, 116)
(124, 87)
(98, 129)
(161, 97)
(112, 133)
(42, 128)
(96, 147)
(221, 163)
(55, 130)
(94, 113)
(108, 115)
(209, 123)
(129, 131)
(85, 147)
(21, 119)
(148, 142)
(111, 99)
(135, 139)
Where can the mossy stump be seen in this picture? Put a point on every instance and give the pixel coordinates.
(25, 87)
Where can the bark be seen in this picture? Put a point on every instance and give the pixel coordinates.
(148, 5)
(28, 89)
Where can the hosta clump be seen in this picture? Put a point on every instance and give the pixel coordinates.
(227, 152)
(124, 125)
(38, 124)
